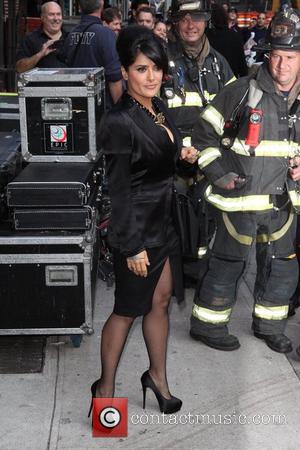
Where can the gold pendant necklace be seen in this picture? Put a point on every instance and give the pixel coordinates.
(159, 118)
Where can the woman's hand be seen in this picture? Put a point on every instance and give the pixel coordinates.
(189, 154)
(138, 264)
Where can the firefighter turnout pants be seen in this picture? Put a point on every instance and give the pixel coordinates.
(277, 271)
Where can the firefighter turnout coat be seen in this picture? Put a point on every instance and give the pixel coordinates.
(262, 130)
(264, 166)
(185, 97)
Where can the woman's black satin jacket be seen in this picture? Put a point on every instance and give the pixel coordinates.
(141, 161)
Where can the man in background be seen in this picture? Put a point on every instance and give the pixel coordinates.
(112, 19)
(90, 44)
(40, 47)
(145, 17)
(135, 5)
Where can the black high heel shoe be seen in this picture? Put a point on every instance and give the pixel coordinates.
(166, 405)
(93, 391)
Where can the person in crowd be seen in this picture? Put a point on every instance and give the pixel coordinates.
(90, 44)
(135, 5)
(141, 159)
(196, 73)
(227, 43)
(233, 21)
(160, 29)
(145, 17)
(225, 6)
(197, 70)
(112, 18)
(258, 33)
(248, 139)
(40, 47)
(260, 28)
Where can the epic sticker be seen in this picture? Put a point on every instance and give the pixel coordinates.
(58, 133)
(58, 138)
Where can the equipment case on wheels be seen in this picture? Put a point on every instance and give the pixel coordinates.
(47, 282)
(60, 112)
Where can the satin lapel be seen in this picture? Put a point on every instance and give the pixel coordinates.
(145, 123)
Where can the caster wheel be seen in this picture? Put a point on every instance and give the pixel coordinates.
(76, 340)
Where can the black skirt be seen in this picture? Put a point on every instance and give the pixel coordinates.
(133, 294)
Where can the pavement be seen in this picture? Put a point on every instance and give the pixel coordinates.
(246, 399)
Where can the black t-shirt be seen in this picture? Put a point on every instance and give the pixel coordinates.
(32, 44)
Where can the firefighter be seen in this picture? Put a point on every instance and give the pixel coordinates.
(248, 141)
(197, 71)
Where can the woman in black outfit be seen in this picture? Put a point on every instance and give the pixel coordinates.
(142, 147)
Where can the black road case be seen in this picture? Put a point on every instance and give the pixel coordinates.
(54, 219)
(60, 111)
(47, 282)
(54, 185)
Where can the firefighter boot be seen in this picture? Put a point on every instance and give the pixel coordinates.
(225, 343)
(277, 342)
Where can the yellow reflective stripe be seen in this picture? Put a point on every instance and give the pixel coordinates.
(230, 81)
(214, 118)
(175, 102)
(187, 141)
(241, 238)
(211, 316)
(271, 312)
(267, 148)
(9, 94)
(276, 234)
(207, 156)
(209, 97)
(201, 252)
(295, 198)
(191, 99)
(245, 203)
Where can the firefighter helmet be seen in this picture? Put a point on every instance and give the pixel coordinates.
(179, 8)
(283, 32)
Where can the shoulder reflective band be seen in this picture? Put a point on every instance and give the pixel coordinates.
(276, 234)
(207, 156)
(246, 203)
(211, 316)
(191, 99)
(214, 118)
(241, 238)
(271, 312)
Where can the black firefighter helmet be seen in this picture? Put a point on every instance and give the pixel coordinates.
(283, 32)
(179, 8)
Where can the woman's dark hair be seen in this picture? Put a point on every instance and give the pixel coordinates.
(138, 39)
